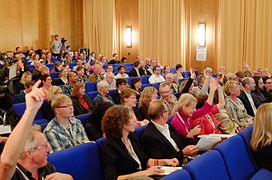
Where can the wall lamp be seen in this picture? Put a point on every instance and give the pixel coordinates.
(201, 35)
(128, 36)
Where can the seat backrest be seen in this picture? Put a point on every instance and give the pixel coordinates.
(179, 174)
(246, 136)
(92, 94)
(90, 86)
(156, 85)
(138, 131)
(82, 162)
(21, 107)
(236, 157)
(100, 143)
(210, 165)
(145, 85)
(83, 118)
(145, 79)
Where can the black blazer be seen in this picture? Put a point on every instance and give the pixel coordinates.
(133, 73)
(142, 71)
(78, 108)
(117, 161)
(155, 144)
(246, 103)
(115, 95)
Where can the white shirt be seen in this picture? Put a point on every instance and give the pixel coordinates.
(156, 79)
(165, 131)
(251, 101)
(119, 75)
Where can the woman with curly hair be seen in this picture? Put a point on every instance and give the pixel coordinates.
(122, 155)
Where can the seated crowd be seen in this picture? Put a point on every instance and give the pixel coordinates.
(175, 108)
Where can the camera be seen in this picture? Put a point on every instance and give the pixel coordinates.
(63, 40)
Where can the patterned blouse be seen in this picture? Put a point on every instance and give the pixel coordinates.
(237, 110)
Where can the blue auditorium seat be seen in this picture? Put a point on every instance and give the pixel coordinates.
(111, 91)
(54, 74)
(50, 66)
(20, 109)
(214, 75)
(83, 118)
(145, 79)
(99, 142)
(156, 85)
(42, 122)
(71, 65)
(179, 174)
(208, 166)
(145, 85)
(129, 79)
(172, 70)
(246, 134)
(236, 157)
(92, 94)
(90, 86)
(82, 162)
(262, 174)
(138, 131)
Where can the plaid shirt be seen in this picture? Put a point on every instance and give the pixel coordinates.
(61, 138)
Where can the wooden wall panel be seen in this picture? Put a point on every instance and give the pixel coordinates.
(201, 11)
(29, 23)
(127, 15)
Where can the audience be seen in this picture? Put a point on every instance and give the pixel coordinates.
(156, 77)
(187, 112)
(120, 84)
(257, 96)
(80, 75)
(149, 94)
(68, 88)
(64, 130)
(234, 105)
(26, 77)
(122, 155)
(249, 85)
(81, 102)
(47, 111)
(95, 76)
(63, 76)
(28, 88)
(136, 84)
(261, 137)
(134, 72)
(93, 125)
(103, 90)
(46, 84)
(161, 140)
(121, 72)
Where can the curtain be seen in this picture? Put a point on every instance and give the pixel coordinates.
(245, 35)
(99, 26)
(162, 30)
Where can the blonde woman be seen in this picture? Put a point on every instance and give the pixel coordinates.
(262, 137)
(148, 94)
(234, 105)
(26, 77)
(187, 112)
(47, 110)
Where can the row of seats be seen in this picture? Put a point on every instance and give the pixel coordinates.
(230, 160)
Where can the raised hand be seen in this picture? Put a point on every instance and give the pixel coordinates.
(34, 99)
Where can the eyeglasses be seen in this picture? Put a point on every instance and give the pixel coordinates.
(69, 105)
(268, 82)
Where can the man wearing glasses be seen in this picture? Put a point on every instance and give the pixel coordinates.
(169, 99)
(64, 130)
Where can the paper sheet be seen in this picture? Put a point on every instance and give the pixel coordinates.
(206, 143)
(168, 169)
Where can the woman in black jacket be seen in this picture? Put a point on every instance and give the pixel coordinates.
(81, 102)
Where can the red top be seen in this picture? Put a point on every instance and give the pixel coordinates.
(84, 103)
(183, 123)
(209, 124)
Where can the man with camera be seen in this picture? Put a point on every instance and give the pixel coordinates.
(56, 46)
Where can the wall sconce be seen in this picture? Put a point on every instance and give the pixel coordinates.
(128, 36)
(201, 35)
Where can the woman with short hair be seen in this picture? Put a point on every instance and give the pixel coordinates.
(103, 90)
